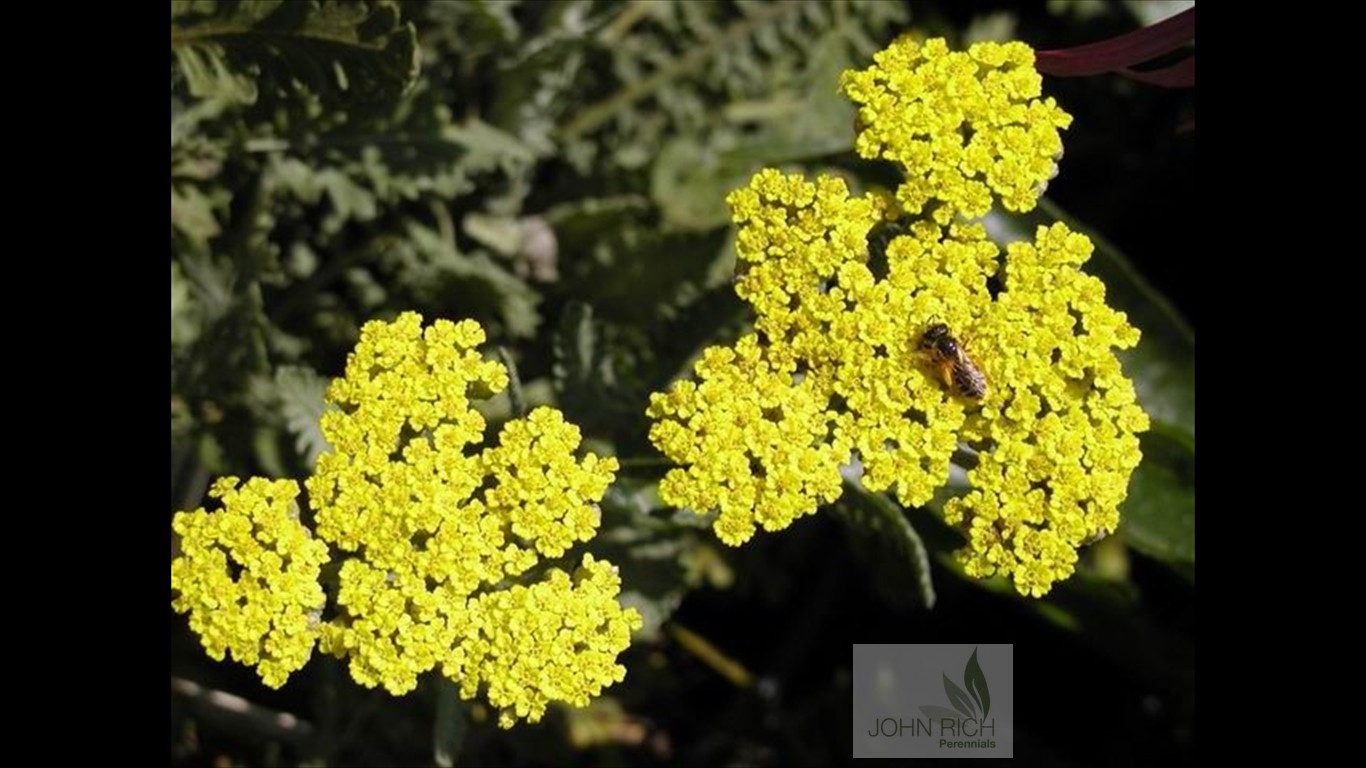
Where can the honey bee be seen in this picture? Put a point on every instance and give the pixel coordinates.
(960, 374)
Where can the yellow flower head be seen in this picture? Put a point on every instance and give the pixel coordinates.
(836, 367)
(1059, 430)
(755, 444)
(440, 530)
(447, 545)
(248, 576)
(962, 125)
(836, 370)
(555, 640)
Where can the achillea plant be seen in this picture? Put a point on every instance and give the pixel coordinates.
(836, 369)
(248, 576)
(445, 553)
(963, 126)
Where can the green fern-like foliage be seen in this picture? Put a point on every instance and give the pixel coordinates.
(675, 62)
(232, 49)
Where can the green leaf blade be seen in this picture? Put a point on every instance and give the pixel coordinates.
(883, 540)
(451, 725)
(346, 50)
(301, 392)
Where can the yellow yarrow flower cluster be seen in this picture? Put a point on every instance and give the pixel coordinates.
(1061, 426)
(440, 544)
(755, 445)
(829, 332)
(963, 125)
(434, 524)
(836, 365)
(248, 577)
(555, 640)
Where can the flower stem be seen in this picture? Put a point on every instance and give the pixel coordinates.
(710, 655)
(514, 383)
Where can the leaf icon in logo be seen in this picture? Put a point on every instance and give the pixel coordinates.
(957, 698)
(976, 683)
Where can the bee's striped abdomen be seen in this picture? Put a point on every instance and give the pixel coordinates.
(968, 381)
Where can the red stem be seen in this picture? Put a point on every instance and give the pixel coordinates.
(1120, 52)
(1179, 75)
